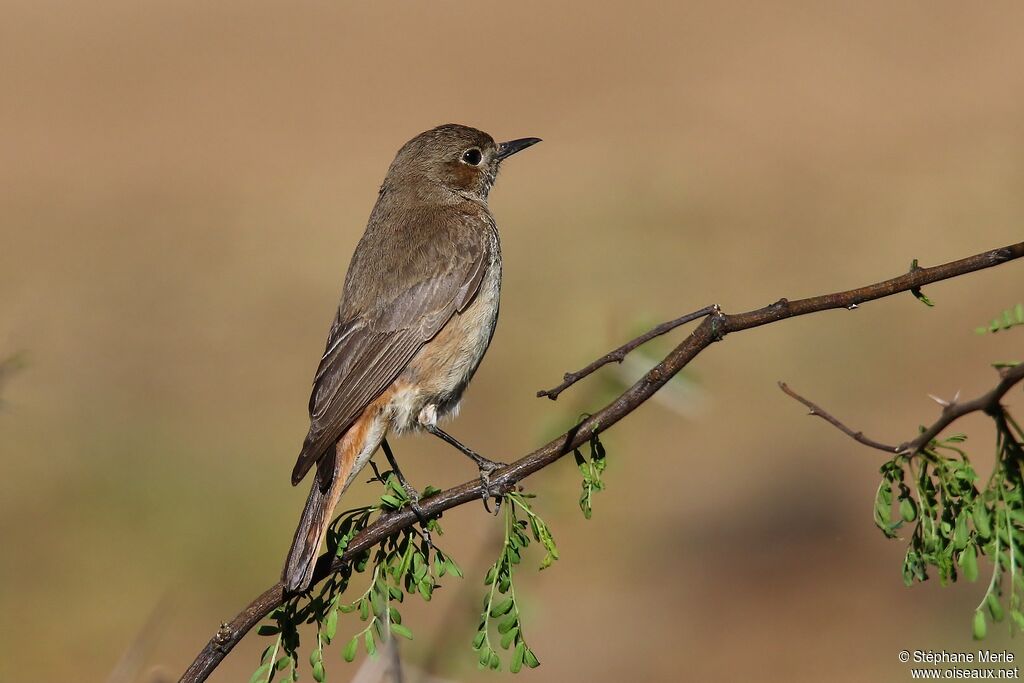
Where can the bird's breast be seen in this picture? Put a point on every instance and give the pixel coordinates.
(439, 373)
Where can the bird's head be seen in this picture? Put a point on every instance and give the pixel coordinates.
(453, 158)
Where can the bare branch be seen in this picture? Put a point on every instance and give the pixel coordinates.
(619, 354)
(713, 328)
(782, 309)
(951, 412)
(818, 411)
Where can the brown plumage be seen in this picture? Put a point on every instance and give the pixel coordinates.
(416, 316)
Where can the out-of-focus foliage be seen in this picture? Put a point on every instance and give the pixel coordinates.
(1011, 317)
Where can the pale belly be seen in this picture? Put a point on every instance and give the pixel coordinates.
(438, 374)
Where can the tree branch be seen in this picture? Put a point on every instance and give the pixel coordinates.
(988, 403)
(783, 308)
(619, 354)
(818, 411)
(713, 328)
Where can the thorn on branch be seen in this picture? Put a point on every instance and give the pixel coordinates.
(943, 402)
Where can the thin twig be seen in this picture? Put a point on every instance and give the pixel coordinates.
(818, 411)
(619, 354)
(987, 403)
(713, 328)
(850, 300)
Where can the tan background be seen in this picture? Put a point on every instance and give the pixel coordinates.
(183, 184)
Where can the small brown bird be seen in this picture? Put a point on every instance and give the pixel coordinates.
(416, 316)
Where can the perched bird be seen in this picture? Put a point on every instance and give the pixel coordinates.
(416, 316)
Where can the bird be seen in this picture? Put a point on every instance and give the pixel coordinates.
(417, 313)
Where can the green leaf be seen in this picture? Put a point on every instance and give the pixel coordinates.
(506, 626)
(908, 510)
(530, 659)
(969, 563)
(982, 521)
(960, 535)
(883, 504)
(507, 639)
(502, 607)
(371, 646)
(994, 608)
(396, 486)
(350, 649)
(916, 291)
(400, 630)
(318, 673)
(1018, 619)
(331, 625)
(377, 602)
(980, 627)
(261, 674)
(452, 567)
(391, 501)
(478, 641)
(517, 658)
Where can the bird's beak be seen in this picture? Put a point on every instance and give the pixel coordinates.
(507, 149)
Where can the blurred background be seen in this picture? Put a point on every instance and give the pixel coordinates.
(184, 182)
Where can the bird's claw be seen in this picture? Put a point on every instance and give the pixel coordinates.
(486, 488)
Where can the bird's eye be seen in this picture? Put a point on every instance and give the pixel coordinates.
(472, 156)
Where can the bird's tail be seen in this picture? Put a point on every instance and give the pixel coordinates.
(328, 485)
(334, 472)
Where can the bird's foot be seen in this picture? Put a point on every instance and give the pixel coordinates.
(487, 467)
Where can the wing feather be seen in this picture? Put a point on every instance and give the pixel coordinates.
(367, 350)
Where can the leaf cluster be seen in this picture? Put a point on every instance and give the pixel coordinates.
(592, 468)
(406, 563)
(957, 519)
(409, 563)
(501, 610)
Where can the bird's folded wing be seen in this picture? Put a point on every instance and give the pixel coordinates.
(368, 351)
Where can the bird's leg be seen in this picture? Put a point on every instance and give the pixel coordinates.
(428, 419)
(414, 496)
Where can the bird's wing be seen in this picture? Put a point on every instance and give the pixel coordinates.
(367, 351)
